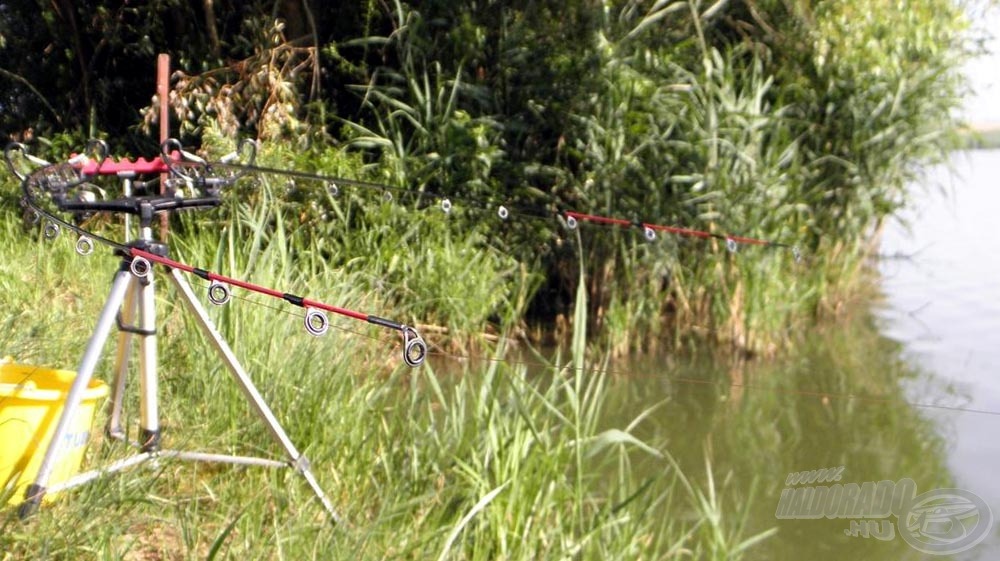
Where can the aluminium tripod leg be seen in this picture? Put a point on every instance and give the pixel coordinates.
(149, 412)
(34, 493)
(295, 459)
(140, 295)
(114, 427)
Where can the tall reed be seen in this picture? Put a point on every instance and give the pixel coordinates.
(752, 121)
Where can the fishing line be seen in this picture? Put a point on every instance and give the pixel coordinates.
(840, 395)
(542, 366)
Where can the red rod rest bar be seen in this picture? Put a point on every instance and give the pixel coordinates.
(141, 166)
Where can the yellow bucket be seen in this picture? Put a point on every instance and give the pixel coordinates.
(31, 401)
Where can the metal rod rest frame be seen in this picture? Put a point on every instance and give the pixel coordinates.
(130, 305)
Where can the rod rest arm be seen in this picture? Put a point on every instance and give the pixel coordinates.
(138, 206)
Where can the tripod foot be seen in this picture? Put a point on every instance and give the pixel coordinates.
(323, 499)
(150, 440)
(32, 499)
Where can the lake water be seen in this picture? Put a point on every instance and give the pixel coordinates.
(906, 387)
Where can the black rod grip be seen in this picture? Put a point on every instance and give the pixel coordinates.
(385, 323)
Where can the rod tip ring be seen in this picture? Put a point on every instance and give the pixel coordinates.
(414, 347)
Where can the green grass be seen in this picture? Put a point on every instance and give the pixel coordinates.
(489, 462)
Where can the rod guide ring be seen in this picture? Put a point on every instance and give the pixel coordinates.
(84, 245)
(140, 267)
(414, 347)
(219, 293)
(316, 322)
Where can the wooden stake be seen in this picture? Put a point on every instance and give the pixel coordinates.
(163, 93)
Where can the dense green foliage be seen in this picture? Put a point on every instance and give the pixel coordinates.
(799, 122)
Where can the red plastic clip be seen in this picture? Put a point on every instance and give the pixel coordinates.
(141, 166)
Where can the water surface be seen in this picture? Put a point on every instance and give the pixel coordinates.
(903, 388)
(941, 303)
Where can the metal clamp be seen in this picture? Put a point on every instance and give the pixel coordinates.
(167, 150)
(96, 149)
(8, 156)
(245, 154)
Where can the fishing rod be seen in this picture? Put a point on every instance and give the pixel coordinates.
(195, 171)
(194, 183)
(181, 163)
(571, 219)
(316, 322)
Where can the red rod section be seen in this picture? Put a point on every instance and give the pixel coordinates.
(598, 219)
(337, 310)
(679, 231)
(752, 241)
(659, 227)
(304, 302)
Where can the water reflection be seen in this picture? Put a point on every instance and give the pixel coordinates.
(940, 304)
(837, 402)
